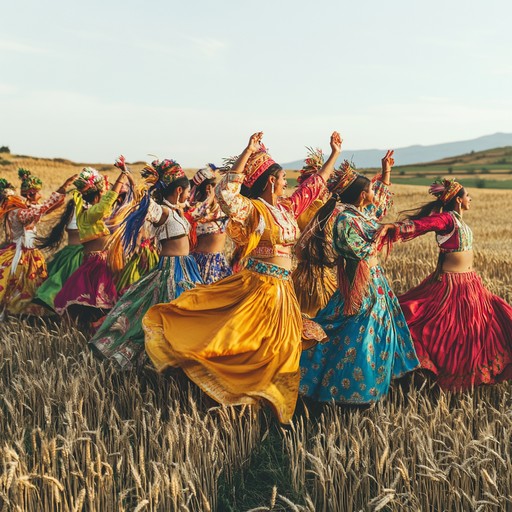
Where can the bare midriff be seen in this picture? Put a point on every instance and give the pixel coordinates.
(73, 237)
(96, 245)
(281, 261)
(458, 261)
(211, 243)
(178, 246)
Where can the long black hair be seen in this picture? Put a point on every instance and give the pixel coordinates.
(435, 206)
(135, 220)
(261, 183)
(54, 238)
(318, 248)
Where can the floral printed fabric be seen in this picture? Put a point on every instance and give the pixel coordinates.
(364, 353)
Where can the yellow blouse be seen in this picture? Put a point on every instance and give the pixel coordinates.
(91, 218)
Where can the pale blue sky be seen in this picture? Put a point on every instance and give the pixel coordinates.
(192, 80)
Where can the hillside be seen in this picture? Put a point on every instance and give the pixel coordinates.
(418, 153)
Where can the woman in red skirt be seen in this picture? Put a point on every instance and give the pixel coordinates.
(461, 331)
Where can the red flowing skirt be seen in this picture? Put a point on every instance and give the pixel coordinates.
(461, 331)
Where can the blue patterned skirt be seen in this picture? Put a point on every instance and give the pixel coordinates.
(212, 266)
(364, 352)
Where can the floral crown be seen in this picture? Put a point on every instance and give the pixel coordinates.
(5, 186)
(90, 180)
(342, 178)
(445, 190)
(29, 181)
(312, 164)
(165, 172)
(257, 164)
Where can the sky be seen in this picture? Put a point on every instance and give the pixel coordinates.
(192, 80)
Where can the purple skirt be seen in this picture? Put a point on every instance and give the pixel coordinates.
(90, 286)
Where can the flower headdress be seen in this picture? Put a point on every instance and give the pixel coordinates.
(162, 173)
(257, 164)
(445, 190)
(6, 188)
(29, 181)
(312, 164)
(342, 178)
(90, 180)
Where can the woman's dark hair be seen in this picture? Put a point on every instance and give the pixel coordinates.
(435, 206)
(90, 197)
(160, 194)
(318, 249)
(54, 238)
(260, 184)
(200, 193)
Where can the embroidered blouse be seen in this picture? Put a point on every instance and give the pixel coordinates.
(174, 226)
(22, 221)
(90, 219)
(245, 217)
(354, 230)
(209, 218)
(452, 233)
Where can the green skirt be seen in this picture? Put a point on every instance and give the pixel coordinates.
(63, 264)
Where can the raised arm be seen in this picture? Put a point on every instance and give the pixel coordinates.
(35, 212)
(328, 168)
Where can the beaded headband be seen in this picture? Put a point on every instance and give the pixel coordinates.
(257, 164)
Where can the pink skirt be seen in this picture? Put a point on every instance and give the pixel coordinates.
(461, 331)
(90, 286)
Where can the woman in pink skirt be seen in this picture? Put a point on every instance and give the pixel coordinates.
(90, 291)
(461, 331)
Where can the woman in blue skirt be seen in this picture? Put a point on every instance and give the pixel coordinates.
(369, 341)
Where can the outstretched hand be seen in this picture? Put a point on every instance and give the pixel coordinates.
(120, 163)
(69, 181)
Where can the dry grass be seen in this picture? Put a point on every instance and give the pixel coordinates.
(76, 435)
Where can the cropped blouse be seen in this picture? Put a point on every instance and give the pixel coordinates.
(90, 219)
(275, 226)
(174, 226)
(452, 233)
(209, 218)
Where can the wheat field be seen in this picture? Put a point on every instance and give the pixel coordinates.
(76, 435)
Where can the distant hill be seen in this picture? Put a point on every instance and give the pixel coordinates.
(364, 158)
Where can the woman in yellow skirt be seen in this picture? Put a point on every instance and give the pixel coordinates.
(239, 339)
(22, 265)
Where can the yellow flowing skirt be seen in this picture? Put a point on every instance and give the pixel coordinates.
(18, 290)
(238, 339)
(313, 289)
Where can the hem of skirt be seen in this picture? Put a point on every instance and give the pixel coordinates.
(198, 374)
(63, 309)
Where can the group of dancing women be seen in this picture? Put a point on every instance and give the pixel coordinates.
(301, 307)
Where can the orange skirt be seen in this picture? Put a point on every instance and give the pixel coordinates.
(238, 339)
